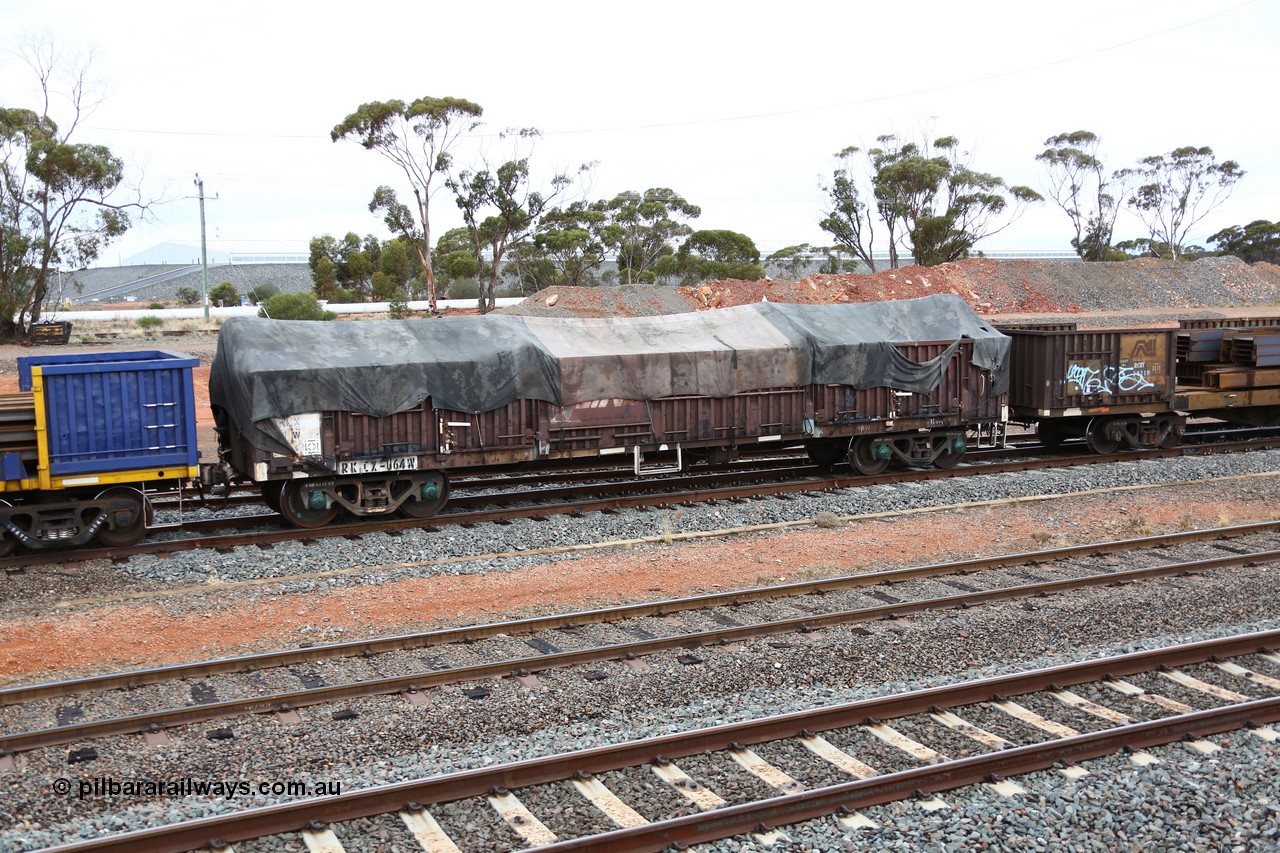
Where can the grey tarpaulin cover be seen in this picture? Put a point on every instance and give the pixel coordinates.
(275, 368)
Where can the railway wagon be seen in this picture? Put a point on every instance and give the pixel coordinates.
(370, 417)
(86, 442)
(1229, 369)
(1129, 388)
(1112, 387)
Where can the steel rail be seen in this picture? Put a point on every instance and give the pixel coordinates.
(165, 718)
(533, 624)
(383, 799)
(826, 483)
(949, 775)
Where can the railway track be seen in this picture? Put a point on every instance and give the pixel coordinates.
(776, 477)
(752, 777)
(40, 716)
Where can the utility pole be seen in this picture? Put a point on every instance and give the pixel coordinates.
(204, 254)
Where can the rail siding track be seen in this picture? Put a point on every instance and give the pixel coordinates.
(153, 722)
(315, 817)
(615, 496)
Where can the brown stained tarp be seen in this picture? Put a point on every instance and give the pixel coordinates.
(268, 369)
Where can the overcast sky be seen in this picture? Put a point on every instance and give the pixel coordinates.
(739, 107)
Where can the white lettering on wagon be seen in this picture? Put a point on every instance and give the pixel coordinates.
(301, 432)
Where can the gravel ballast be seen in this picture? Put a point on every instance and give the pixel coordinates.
(1226, 800)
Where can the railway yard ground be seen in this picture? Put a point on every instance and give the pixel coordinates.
(82, 619)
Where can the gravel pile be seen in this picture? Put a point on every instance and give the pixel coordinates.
(992, 287)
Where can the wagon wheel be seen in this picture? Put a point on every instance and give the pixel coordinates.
(948, 458)
(8, 542)
(1173, 438)
(824, 452)
(1096, 438)
(1050, 436)
(432, 496)
(271, 494)
(297, 507)
(863, 457)
(124, 527)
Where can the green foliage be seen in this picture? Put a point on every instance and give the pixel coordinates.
(150, 322)
(1179, 189)
(262, 292)
(1080, 187)
(188, 295)
(796, 260)
(324, 277)
(416, 137)
(464, 288)
(927, 197)
(710, 255)
(641, 228)
(224, 294)
(848, 218)
(398, 307)
(567, 248)
(155, 306)
(1257, 241)
(295, 306)
(343, 296)
(383, 287)
(501, 209)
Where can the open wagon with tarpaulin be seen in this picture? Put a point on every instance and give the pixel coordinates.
(369, 417)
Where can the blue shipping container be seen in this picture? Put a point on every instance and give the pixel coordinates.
(116, 411)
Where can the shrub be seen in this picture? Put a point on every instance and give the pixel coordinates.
(295, 306)
(224, 294)
(156, 306)
(150, 322)
(398, 307)
(188, 295)
(262, 292)
(464, 288)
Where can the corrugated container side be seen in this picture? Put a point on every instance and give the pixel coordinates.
(116, 411)
(1054, 371)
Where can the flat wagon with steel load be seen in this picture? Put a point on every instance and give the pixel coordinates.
(368, 418)
(87, 442)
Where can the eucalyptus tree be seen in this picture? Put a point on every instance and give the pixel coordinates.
(418, 137)
(945, 205)
(1177, 190)
(500, 207)
(1080, 186)
(566, 248)
(849, 218)
(716, 254)
(61, 202)
(1257, 241)
(643, 228)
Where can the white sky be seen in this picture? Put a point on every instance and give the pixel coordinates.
(737, 106)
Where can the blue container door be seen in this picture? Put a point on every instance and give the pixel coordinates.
(116, 420)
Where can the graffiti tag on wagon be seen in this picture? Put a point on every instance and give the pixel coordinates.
(1085, 379)
(1140, 368)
